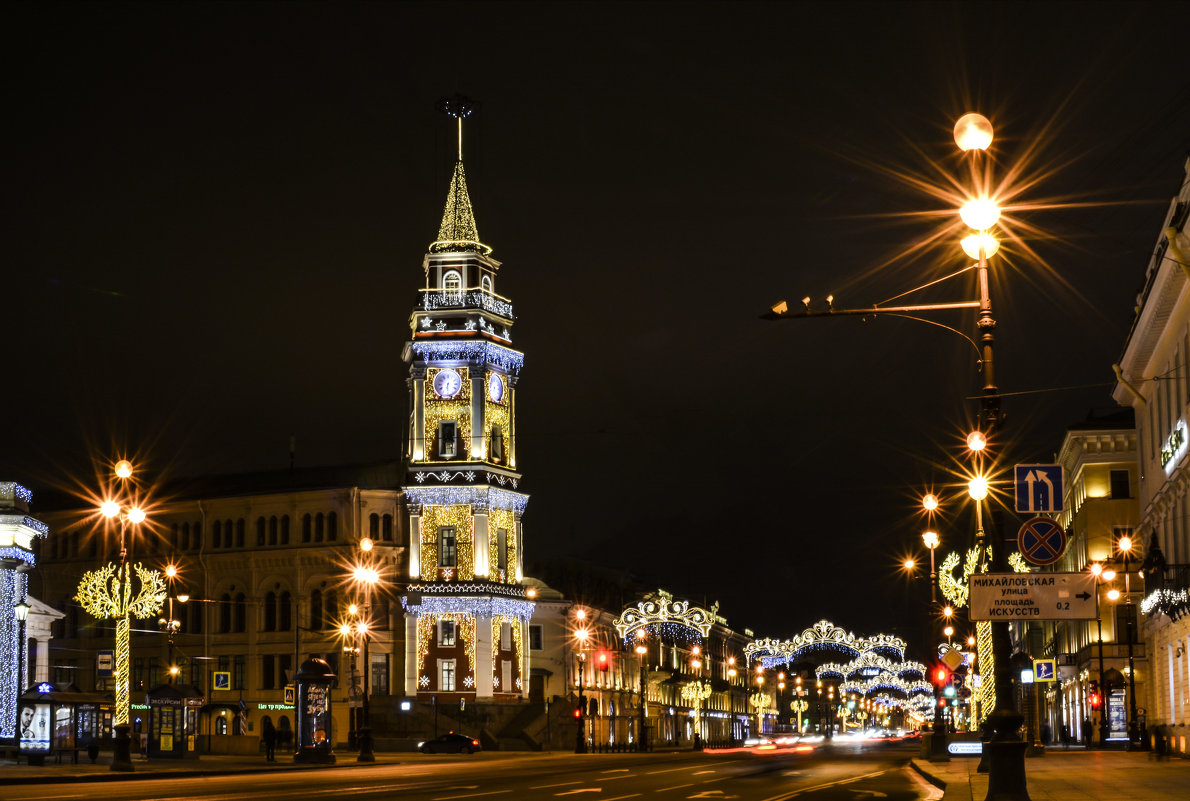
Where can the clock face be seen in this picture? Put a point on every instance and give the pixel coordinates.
(447, 384)
(495, 388)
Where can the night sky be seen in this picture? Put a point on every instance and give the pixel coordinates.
(216, 216)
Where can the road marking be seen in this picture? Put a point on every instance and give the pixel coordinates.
(676, 787)
(547, 786)
(458, 787)
(615, 770)
(700, 772)
(800, 790)
(470, 795)
(667, 770)
(582, 790)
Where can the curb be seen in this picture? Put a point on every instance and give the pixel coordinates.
(116, 776)
(931, 778)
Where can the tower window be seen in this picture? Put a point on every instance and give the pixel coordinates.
(446, 633)
(452, 281)
(448, 445)
(497, 449)
(446, 675)
(447, 547)
(502, 549)
(485, 283)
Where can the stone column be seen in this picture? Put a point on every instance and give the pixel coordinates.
(483, 657)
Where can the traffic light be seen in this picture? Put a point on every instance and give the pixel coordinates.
(1093, 695)
(604, 660)
(578, 713)
(940, 676)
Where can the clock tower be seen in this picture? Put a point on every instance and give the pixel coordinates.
(466, 611)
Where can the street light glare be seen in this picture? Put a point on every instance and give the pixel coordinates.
(1125, 544)
(930, 538)
(109, 509)
(930, 502)
(1109, 574)
(973, 132)
(1113, 594)
(124, 468)
(977, 488)
(909, 564)
(976, 441)
(972, 244)
(1096, 568)
(136, 515)
(365, 544)
(980, 213)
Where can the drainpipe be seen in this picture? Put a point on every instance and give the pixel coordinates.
(1120, 377)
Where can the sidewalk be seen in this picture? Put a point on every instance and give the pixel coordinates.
(1069, 776)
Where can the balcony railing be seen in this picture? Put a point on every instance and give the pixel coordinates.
(1169, 591)
(432, 299)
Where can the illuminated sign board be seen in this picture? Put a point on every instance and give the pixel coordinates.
(963, 747)
(1174, 447)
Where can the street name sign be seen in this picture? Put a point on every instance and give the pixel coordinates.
(1038, 488)
(1041, 541)
(1032, 596)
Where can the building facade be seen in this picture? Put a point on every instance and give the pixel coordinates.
(1154, 379)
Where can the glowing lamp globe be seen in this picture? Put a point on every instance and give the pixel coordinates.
(976, 441)
(1108, 574)
(930, 538)
(171, 571)
(973, 132)
(973, 243)
(1096, 568)
(980, 213)
(365, 544)
(977, 488)
(1125, 544)
(136, 515)
(930, 502)
(109, 509)
(1113, 594)
(123, 468)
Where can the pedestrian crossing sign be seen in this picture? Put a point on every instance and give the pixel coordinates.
(221, 680)
(289, 695)
(1044, 670)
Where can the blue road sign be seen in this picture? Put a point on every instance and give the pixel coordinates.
(1044, 670)
(1038, 488)
(1041, 541)
(221, 680)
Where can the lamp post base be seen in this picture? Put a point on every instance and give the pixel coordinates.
(1006, 758)
(122, 749)
(365, 745)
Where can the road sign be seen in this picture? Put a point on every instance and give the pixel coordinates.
(1041, 541)
(1038, 488)
(952, 658)
(1032, 596)
(1045, 670)
(221, 680)
(289, 694)
(103, 664)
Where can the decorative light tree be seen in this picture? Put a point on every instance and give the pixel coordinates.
(112, 592)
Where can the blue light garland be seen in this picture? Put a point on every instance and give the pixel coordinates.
(471, 352)
(482, 498)
(478, 607)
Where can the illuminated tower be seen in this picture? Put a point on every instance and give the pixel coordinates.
(466, 610)
(18, 532)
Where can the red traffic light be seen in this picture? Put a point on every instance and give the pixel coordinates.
(604, 660)
(1094, 699)
(578, 713)
(941, 675)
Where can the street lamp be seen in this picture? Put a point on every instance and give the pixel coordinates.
(931, 540)
(1124, 545)
(696, 666)
(581, 636)
(21, 610)
(1102, 576)
(642, 653)
(366, 576)
(731, 674)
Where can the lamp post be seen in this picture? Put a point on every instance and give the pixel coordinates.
(1135, 743)
(696, 666)
(731, 674)
(1102, 575)
(366, 576)
(21, 610)
(642, 652)
(931, 540)
(581, 636)
(170, 624)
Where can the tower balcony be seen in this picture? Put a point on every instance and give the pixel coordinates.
(435, 299)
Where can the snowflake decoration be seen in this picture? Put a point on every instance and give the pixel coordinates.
(496, 682)
(421, 477)
(448, 573)
(470, 325)
(518, 682)
(469, 475)
(513, 480)
(424, 681)
(468, 682)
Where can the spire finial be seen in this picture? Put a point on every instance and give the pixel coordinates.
(458, 107)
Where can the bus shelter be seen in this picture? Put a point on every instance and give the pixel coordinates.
(54, 720)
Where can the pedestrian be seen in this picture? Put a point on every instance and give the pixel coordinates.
(1065, 736)
(1087, 732)
(1159, 742)
(1045, 733)
(270, 740)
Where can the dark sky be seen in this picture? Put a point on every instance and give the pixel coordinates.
(216, 215)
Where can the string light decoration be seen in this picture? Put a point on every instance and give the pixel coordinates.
(108, 592)
(665, 617)
(432, 519)
(13, 648)
(482, 499)
(469, 351)
(501, 519)
(434, 299)
(497, 414)
(694, 693)
(822, 636)
(457, 233)
(457, 409)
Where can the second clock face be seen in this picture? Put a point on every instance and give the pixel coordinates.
(447, 384)
(495, 388)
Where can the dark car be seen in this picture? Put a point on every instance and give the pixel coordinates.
(450, 743)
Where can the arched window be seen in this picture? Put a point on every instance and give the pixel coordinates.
(316, 610)
(273, 530)
(241, 610)
(270, 611)
(260, 531)
(284, 611)
(319, 527)
(240, 533)
(485, 283)
(332, 526)
(374, 526)
(305, 528)
(217, 535)
(196, 538)
(224, 613)
(284, 529)
(386, 531)
(452, 281)
(331, 609)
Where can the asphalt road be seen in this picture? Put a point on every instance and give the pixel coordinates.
(838, 772)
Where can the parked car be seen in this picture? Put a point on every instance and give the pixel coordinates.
(450, 743)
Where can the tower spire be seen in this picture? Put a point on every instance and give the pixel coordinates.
(458, 233)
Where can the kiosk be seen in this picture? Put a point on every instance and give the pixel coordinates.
(173, 721)
(58, 720)
(312, 712)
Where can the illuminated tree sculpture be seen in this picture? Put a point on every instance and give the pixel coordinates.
(108, 592)
(695, 692)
